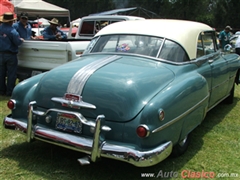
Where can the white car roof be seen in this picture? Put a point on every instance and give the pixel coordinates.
(184, 32)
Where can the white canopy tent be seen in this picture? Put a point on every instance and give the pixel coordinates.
(76, 22)
(39, 8)
(44, 22)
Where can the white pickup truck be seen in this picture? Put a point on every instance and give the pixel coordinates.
(37, 56)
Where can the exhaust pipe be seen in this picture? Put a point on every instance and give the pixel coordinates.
(84, 161)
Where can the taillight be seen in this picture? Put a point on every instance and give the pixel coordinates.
(11, 104)
(142, 131)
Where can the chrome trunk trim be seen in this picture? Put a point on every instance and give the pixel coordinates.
(78, 81)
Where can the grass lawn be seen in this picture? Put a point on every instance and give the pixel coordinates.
(214, 149)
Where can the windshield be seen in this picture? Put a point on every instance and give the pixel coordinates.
(138, 44)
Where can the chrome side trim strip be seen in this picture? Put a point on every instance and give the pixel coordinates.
(222, 83)
(78, 81)
(180, 116)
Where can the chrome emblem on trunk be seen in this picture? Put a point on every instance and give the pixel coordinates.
(73, 101)
(71, 98)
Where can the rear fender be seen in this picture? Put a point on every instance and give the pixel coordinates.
(184, 103)
(22, 94)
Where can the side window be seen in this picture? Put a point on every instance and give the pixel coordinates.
(87, 28)
(200, 49)
(100, 24)
(173, 52)
(90, 28)
(103, 23)
(206, 44)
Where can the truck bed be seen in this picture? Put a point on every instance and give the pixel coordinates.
(37, 56)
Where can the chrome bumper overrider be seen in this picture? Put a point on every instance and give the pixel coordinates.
(95, 147)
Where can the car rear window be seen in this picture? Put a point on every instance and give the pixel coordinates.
(139, 44)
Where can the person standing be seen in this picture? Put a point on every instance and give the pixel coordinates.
(9, 42)
(52, 32)
(23, 27)
(237, 45)
(224, 37)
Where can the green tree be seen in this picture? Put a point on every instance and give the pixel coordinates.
(216, 13)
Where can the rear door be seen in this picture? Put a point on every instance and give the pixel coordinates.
(218, 65)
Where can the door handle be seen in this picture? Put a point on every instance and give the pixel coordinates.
(210, 61)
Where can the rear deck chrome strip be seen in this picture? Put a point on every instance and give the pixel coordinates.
(78, 81)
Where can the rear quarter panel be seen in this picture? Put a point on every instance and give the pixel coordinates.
(23, 95)
(184, 102)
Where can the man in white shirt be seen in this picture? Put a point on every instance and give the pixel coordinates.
(237, 45)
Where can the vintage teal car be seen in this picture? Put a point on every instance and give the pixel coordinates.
(138, 91)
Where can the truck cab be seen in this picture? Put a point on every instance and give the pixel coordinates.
(90, 25)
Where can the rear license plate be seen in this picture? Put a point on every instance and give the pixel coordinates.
(68, 122)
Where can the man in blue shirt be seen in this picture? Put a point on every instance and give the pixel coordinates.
(52, 32)
(224, 37)
(23, 27)
(9, 42)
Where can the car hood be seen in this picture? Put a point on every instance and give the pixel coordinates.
(118, 86)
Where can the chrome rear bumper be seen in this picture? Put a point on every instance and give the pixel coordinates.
(95, 147)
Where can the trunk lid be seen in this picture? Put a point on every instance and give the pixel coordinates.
(119, 89)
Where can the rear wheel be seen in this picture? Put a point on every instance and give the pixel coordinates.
(181, 147)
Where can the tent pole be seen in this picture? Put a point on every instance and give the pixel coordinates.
(38, 24)
(69, 20)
